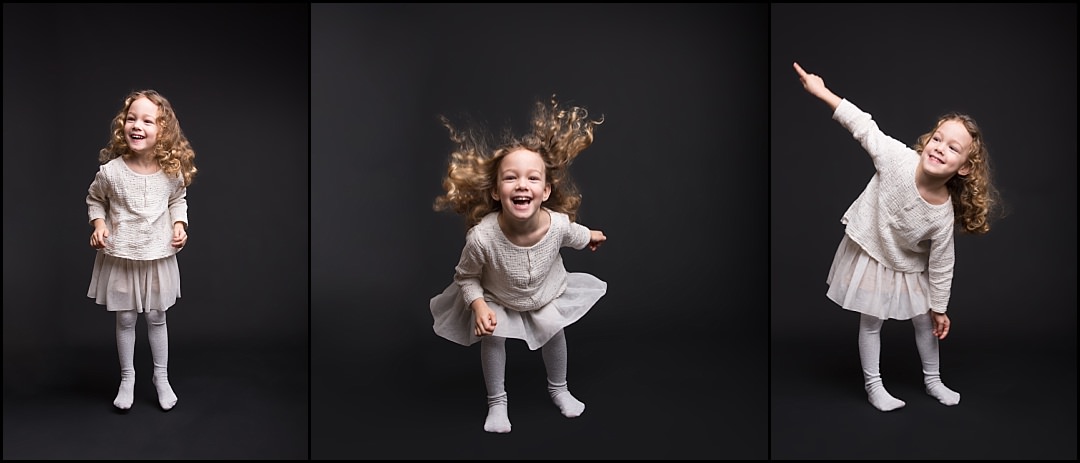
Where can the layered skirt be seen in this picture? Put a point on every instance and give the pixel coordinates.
(139, 285)
(456, 322)
(860, 283)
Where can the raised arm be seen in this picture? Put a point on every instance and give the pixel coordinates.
(815, 85)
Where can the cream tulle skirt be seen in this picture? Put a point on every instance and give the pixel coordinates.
(139, 285)
(456, 322)
(858, 282)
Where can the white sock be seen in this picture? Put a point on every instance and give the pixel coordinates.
(927, 344)
(937, 389)
(869, 356)
(554, 353)
(497, 418)
(570, 406)
(881, 399)
(125, 349)
(159, 348)
(493, 363)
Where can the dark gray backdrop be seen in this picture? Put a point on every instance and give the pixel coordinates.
(238, 79)
(1011, 352)
(672, 361)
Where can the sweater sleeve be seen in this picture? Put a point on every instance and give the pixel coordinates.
(97, 197)
(577, 236)
(940, 270)
(865, 130)
(469, 270)
(178, 206)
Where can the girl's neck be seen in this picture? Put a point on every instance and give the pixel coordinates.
(932, 189)
(526, 233)
(142, 163)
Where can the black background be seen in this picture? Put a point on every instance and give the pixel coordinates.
(237, 77)
(672, 362)
(1011, 352)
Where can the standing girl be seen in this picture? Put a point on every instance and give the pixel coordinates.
(520, 206)
(896, 258)
(138, 208)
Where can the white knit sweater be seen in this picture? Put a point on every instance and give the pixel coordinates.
(138, 209)
(890, 219)
(518, 278)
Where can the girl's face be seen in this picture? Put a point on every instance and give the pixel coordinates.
(946, 152)
(521, 186)
(140, 126)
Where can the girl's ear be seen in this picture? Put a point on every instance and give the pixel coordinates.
(547, 191)
(966, 168)
(494, 194)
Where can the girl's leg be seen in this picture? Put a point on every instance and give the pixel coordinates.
(493, 362)
(125, 349)
(159, 348)
(870, 356)
(554, 353)
(928, 352)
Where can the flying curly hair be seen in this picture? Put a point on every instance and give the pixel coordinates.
(172, 150)
(559, 134)
(975, 199)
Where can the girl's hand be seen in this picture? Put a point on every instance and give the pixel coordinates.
(815, 85)
(97, 238)
(941, 324)
(811, 82)
(596, 237)
(485, 318)
(179, 235)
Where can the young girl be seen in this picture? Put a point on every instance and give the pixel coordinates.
(137, 205)
(896, 258)
(520, 207)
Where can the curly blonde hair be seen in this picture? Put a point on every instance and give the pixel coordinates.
(975, 199)
(172, 150)
(559, 134)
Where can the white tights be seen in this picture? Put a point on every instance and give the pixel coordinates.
(159, 349)
(493, 363)
(870, 354)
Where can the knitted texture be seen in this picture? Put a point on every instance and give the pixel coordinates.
(928, 347)
(519, 278)
(138, 209)
(870, 358)
(890, 219)
(125, 349)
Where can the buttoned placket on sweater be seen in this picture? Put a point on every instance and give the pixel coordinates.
(519, 278)
(140, 225)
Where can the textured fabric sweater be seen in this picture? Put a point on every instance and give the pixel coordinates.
(518, 278)
(139, 210)
(890, 219)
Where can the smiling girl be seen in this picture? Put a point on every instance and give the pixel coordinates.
(896, 258)
(137, 207)
(520, 207)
